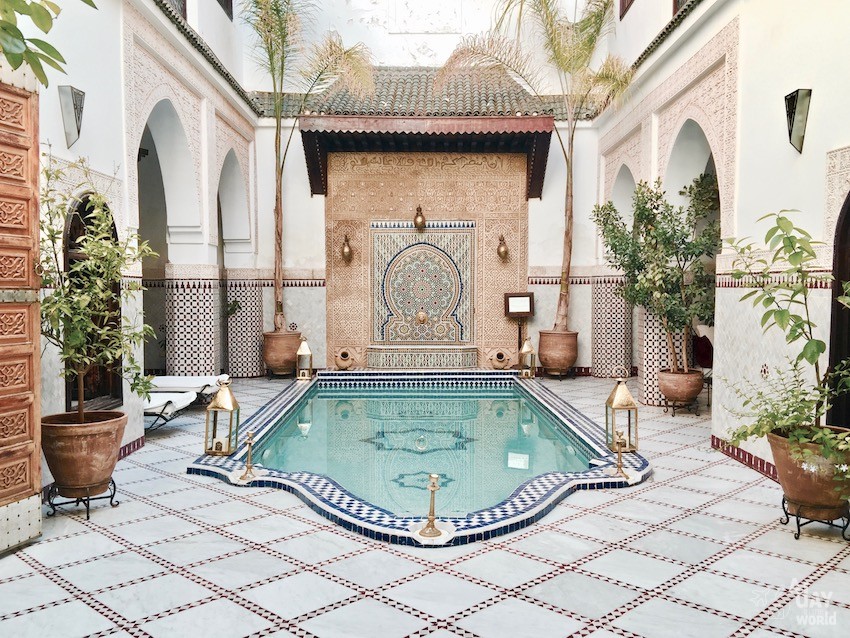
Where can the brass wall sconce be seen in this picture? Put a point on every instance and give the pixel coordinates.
(502, 250)
(347, 253)
(797, 111)
(419, 219)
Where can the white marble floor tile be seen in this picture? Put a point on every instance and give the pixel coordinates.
(580, 594)
(781, 541)
(641, 511)
(110, 571)
(154, 596)
(559, 546)
(519, 618)
(269, 528)
(68, 550)
(25, 593)
(725, 594)
(364, 619)
(225, 512)
(218, 618)
(374, 568)
(663, 619)
(154, 529)
(719, 529)
(298, 594)
(242, 569)
(603, 528)
(633, 569)
(503, 568)
(73, 619)
(812, 618)
(190, 549)
(771, 570)
(318, 547)
(440, 595)
(677, 546)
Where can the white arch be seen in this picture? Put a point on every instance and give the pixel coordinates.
(235, 214)
(622, 193)
(689, 158)
(183, 211)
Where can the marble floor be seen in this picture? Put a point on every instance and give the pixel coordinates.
(697, 551)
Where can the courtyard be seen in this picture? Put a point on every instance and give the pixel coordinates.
(696, 551)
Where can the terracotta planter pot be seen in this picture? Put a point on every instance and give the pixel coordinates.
(82, 456)
(680, 387)
(343, 360)
(557, 351)
(279, 350)
(810, 492)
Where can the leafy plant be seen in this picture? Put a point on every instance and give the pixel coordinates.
(80, 312)
(278, 26)
(790, 404)
(34, 52)
(662, 256)
(569, 47)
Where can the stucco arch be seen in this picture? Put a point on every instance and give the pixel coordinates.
(689, 157)
(179, 179)
(233, 204)
(623, 190)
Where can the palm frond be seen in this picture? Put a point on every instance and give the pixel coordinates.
(612, 79)
(330, 64)
(493, 50)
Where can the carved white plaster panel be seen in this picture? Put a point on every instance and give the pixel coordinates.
(837, 188)
(154, 70)
(705, 88)
(628, 153)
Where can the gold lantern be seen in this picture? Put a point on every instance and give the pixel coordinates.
(621, 415)
(222, 422)
(527, 360)
(304, 361)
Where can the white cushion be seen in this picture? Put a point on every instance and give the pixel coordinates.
(159, 400)
(201, 384)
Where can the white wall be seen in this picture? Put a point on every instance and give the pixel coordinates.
(221, 34)
(642, 22)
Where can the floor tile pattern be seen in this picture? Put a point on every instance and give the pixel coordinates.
(696, 551)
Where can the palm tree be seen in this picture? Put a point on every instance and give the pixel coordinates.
(291, 65)
(569, 48)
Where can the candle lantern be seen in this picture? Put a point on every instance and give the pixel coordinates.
(222, 422)
(304, 361)
(621, 413)
(527, 360)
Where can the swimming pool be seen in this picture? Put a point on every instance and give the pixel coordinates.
(358, 448)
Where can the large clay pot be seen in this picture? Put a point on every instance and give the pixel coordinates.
(279, 350)
(82, 456)
(557, 351)
(810, 492)
(680, 387)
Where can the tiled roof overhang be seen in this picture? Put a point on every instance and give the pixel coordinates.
(323, 134)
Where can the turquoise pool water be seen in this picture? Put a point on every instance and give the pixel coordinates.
(380, 445)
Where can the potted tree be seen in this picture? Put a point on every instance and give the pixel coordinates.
(812, 460)
(570, 49)
(80, 316)
(662, 256)
(277, 25)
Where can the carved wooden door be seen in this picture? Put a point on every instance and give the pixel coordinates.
(20, 445)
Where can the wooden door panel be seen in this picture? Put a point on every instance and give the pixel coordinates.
(20, 432)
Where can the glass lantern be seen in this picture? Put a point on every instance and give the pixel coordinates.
(527, 360)
(304, 361)
(222, 422)
(621, 413)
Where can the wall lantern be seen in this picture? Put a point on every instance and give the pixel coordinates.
(419, 219)
(527, 360)
(71, 101)
(304, 361)
(502, 250)
(222, 422)
(797, 111)
(346, 251)
(621, 415)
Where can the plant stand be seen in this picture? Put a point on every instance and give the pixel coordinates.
(53, 493)
(808, 509)
(692, 407)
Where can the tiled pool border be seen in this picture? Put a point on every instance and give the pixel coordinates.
(528, 503)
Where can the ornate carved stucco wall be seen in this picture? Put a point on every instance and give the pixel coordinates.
(488, 190)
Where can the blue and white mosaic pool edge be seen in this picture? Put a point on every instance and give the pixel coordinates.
(530, 502)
